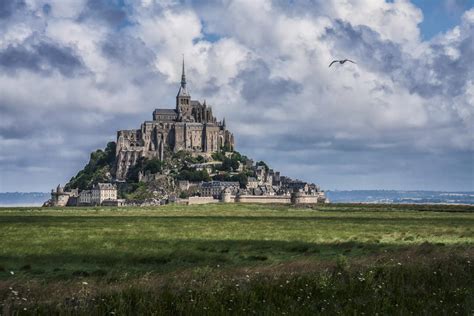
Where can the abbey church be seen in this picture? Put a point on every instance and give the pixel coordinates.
(190, 127)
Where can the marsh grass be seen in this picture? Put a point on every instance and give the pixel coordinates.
(238, 259)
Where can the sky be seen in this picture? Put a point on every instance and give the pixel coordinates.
(72, 73)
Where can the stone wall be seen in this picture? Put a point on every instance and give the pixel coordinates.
(60, 199)
(194, 200)
(301, 198)
(263, 199)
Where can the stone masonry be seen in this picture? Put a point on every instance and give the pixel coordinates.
(190, 126)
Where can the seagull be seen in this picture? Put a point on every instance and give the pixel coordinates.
(341, 61)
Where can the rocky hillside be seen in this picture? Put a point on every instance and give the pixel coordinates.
(155, 179)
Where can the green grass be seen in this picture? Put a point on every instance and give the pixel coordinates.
(328, 247)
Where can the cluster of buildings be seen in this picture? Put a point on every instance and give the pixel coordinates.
(100, 194)
(190, 127)
(267, 186)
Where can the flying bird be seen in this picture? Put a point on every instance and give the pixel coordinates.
(341, 61)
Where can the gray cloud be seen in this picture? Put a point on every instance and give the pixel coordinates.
(436, 73)
(364, 45)
(128, 50)
(257, 86)
(450, 75)
(44, 57)
(106, 11)
(9, 7)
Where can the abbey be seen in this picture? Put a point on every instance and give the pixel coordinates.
(190, 127)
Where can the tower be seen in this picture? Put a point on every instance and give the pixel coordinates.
(183, 99)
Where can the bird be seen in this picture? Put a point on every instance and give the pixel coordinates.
(341, 61)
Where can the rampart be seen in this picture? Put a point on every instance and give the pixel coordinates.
(194, 200)
(263, 199)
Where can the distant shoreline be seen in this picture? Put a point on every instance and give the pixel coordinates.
(389, 197)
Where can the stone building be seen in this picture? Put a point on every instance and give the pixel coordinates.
(100, 193)
(103, 192)
(59, 197)
(85, 197)
(215, 188)
(252, 183)
(190, 126)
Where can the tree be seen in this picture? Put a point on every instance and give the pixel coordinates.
(229, 164)
(226, 164)
(262, 163)
(110, 151)
(226, 147)
(193, 175)
(153, 165)
(218, 156)
(133, 171)
(100, 164)
(222, 177)
(234, 164)
(241, 178)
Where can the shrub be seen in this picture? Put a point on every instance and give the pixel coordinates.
(153, 165)
(100, 164)
(193, 175)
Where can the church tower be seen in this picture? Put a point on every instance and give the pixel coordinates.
(183, 99)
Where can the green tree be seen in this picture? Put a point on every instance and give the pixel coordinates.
(153, 165)
(226, 148)
(222, 177)
(218, 156)
(101, 163)
(229, 164)
(193, 175)
(241, 178)
(262, 163)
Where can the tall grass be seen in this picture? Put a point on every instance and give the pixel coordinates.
(238, 259)
(430, 284)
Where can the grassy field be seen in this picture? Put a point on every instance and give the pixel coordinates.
(238, 259)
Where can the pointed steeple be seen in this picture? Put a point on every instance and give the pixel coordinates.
(182, 89)
(223, 122)
(183, 77)
(183, 99)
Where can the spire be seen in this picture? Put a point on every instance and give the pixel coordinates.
(182, 89)
(223, 122)
(183, 77)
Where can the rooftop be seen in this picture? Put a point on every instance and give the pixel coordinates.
(165, 111)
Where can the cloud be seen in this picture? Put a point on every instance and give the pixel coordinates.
(8, 8)
(102, 10)
(41, 57)
(257, 86)
(74, 73)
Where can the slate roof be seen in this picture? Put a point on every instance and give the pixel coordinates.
(165, 111)
(105, 186)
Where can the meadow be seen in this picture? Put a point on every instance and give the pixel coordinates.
(238, 259)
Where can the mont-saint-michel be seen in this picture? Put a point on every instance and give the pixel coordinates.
(236, 157)
(183, 155)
